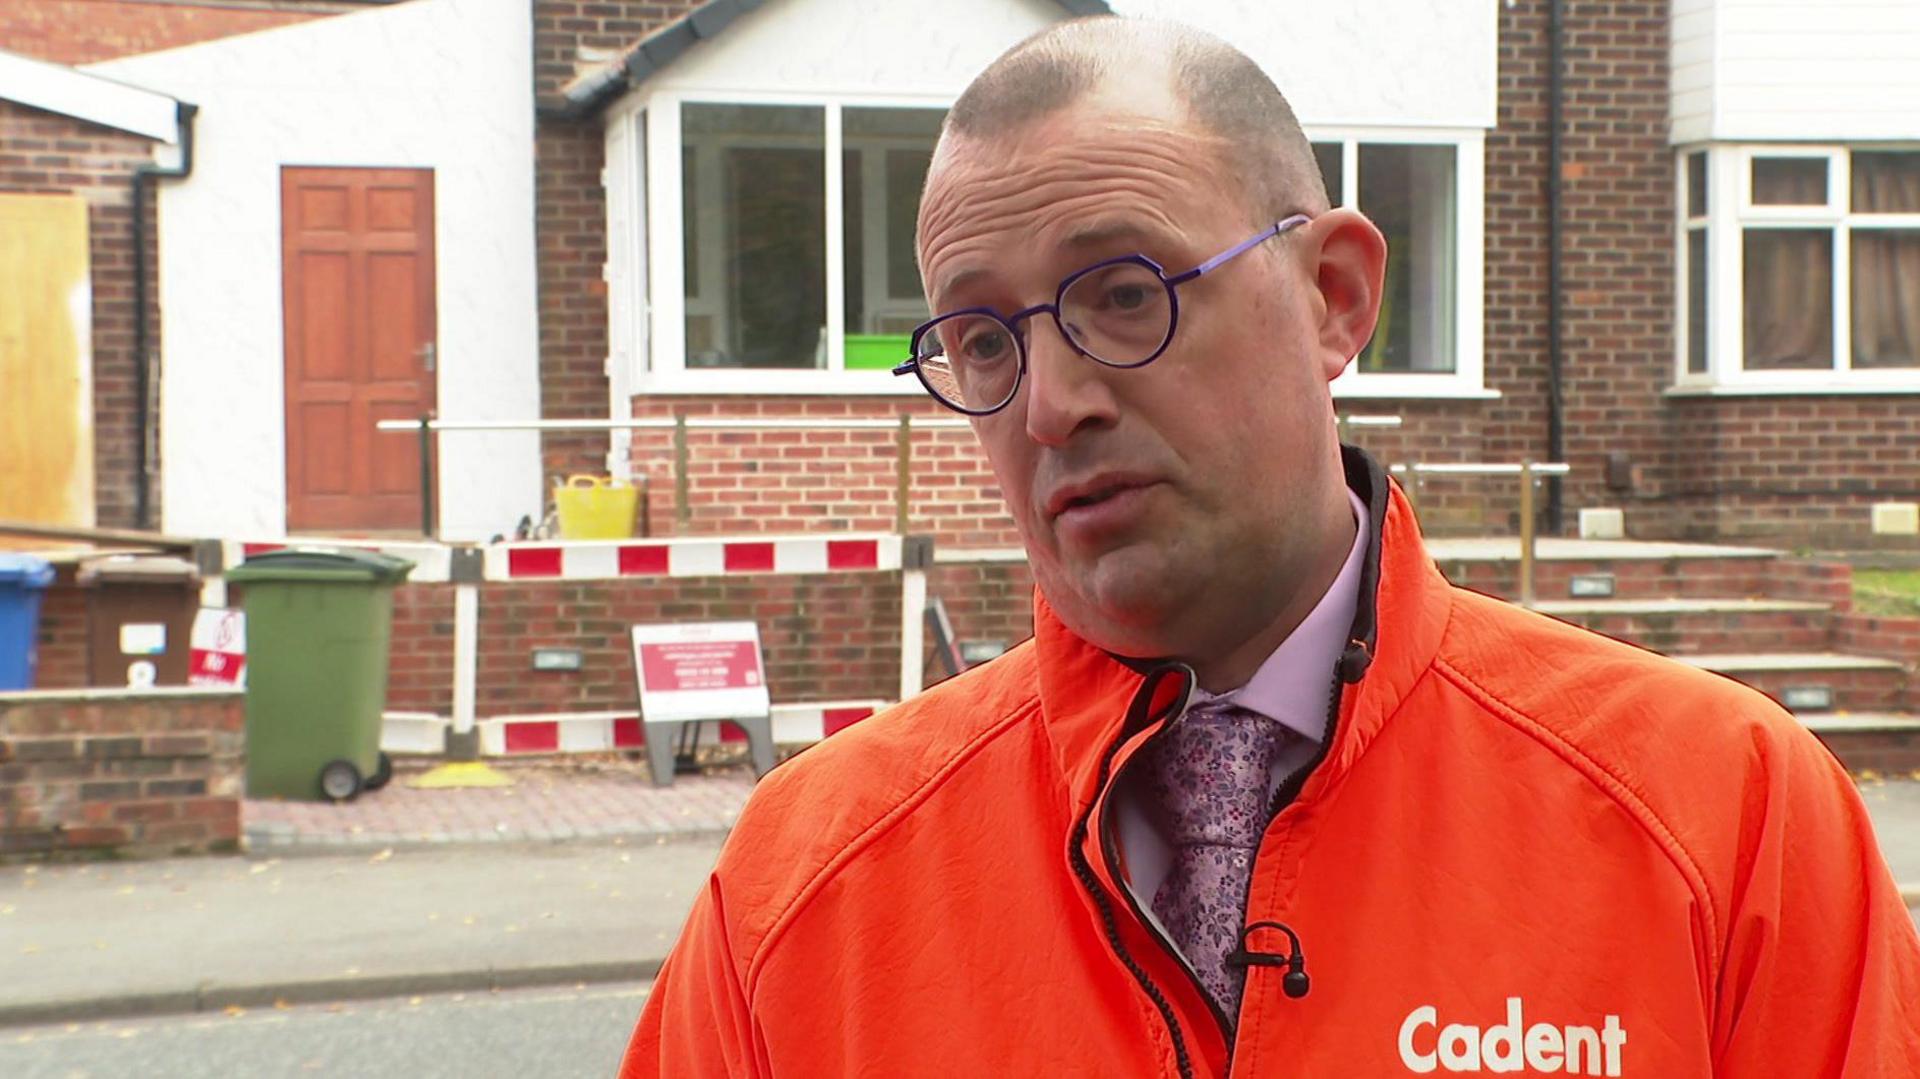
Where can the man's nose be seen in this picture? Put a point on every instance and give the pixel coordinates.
(1065, 390)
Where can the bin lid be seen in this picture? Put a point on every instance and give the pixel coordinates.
(137, 569)
(321, 564)
(25, 571)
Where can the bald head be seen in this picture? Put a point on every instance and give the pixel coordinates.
(1226, 96)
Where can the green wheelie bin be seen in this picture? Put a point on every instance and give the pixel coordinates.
(318, 622)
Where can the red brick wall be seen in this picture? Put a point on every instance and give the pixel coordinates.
(85, 31)
(44, 153)
(1796, 470)
(1617, 272)
(154, 772)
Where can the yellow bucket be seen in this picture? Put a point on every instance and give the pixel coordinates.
(595, 507)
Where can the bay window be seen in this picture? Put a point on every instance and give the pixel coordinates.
(1800, 267)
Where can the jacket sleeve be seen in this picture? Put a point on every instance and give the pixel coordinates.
(1821, 970)
(696, 1021)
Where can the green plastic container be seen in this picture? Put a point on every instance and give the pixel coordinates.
(318, 623)
(877, 351)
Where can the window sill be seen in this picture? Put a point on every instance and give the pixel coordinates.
(1798, 389)
(763, 383)
(1410, 388)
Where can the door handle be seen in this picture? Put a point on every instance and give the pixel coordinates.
(427, 354)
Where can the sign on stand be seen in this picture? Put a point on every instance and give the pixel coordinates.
(217, 650)
(700, 671)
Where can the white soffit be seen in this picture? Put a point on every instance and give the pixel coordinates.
(69, 92)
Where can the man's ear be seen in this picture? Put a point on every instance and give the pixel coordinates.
(1348, 270)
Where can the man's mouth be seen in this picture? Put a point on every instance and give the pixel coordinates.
(1093, 492)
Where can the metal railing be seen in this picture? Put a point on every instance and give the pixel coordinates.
(905, 424)
(1529, 474)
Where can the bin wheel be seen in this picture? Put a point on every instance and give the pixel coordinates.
(382, 772)
(339, 781)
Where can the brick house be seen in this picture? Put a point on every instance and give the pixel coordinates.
(650, 209)
(1663, 354)
(1727, 355)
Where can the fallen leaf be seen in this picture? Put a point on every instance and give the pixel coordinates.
(414, 1001)
(29, 949)
(234, 1011)
(280, 1004)
(381, 857)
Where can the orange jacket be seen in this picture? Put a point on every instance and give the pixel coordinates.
(1527, 849)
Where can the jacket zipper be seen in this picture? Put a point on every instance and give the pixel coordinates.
(1281, 797)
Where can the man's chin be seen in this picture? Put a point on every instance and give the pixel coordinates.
(1122, 602)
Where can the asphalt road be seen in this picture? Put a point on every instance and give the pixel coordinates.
(525, 1033)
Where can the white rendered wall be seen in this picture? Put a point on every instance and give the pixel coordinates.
(1835, 71)
(1401, 63)
(440, 84)
(1361, 63)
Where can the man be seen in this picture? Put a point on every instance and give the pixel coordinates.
(1255, 725)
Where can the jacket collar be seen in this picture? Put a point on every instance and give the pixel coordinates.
(1087, 695)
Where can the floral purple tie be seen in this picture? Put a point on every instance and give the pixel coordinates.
(1209, 777)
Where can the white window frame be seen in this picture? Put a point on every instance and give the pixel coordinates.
(664, 370)
(1730, 213)
(1468, 378)
(649, 338)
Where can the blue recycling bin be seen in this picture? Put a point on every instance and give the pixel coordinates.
(22, 578)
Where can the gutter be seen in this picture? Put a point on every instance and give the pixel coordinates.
(1556, 285)
(144, 178)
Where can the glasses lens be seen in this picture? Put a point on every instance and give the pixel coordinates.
(1120, 314)
(971, 362)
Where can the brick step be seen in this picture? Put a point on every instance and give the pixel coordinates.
(1884, 742)
(1678, 626)
(1853, 683)
(1685, 578)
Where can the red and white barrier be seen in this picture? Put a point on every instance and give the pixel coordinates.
(591, 560)
(589, 732)
(704, 557)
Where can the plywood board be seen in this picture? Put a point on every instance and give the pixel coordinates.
(46, 361)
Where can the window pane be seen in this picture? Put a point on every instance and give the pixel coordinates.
(1697, 184)
(1886, 298)
(1886, 181)
(1327, 154)
(887, 152)
(690, 219)
(761, 233)
(1787, 290)
(1789, 181)
(1697, 313)
(1408, 192)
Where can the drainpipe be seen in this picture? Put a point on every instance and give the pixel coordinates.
(144, 178)
(1556, 93)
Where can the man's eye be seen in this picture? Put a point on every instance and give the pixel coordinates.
(1127, 297)
(986, 347)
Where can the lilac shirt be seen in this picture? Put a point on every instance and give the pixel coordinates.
(1291, 687)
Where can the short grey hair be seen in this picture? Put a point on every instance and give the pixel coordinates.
(1225, 92)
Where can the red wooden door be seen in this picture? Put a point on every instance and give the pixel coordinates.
(357, 260)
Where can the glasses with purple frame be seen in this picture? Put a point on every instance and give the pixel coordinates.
(1121, 313)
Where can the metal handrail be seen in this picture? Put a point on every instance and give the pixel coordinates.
(1529, 473)
(427, 426)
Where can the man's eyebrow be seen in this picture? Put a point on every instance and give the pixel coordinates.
(1101, 232)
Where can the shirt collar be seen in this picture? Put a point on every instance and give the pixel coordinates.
(1291, 686)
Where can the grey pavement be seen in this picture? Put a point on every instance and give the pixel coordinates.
(89, 941)
(558, 1032)
(82, 942)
